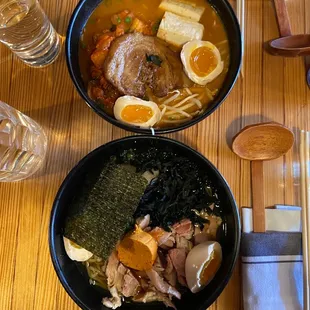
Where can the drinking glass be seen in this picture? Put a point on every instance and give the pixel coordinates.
(26, 30)
(23, 145)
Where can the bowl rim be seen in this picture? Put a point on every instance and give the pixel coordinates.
(91, 104)
(51, 233)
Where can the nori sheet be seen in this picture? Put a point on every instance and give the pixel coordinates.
(99, 217)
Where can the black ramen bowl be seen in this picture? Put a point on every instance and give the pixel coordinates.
(77, 23)
(73, 275)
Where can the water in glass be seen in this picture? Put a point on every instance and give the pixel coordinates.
(23, 145)
(26, 30)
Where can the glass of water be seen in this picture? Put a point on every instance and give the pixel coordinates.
(23, 145)
(26, 30)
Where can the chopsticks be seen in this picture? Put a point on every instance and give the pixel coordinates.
(240, 16)
(305, 200)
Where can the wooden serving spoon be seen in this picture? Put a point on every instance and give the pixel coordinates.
(289, 45)
(259, 142)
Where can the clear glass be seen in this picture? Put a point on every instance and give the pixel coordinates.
(26, 30)
(23, 145)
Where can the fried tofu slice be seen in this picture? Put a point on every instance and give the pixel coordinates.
(178, 30)
(183, 8)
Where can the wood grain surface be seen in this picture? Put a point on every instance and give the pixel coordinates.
(257, 174)
(273, 89)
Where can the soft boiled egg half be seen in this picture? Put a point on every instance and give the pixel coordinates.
(201, 265)
(75, 252)
(202, 61)
(137, 112)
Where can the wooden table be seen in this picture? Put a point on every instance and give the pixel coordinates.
(273, 88)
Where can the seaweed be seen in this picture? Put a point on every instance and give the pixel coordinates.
(100, 216)
(106, 209)
(180, 187)
(155, 59)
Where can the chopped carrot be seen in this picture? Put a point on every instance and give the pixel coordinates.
(124, 13)
(97, 92)
(120, 30)
(139, 26)
(96, 36)
(147, 31)
(105, 40)
(117, 19)
(98, 57)
(102, 48)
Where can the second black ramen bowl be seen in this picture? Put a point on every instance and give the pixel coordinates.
(73, 275)
(77, 23)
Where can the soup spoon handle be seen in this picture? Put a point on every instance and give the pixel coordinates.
(283, 18)
(257, 176)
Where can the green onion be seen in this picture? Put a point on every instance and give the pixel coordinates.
(118, 20)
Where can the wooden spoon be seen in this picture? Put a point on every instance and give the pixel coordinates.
(291, 46)
(257, 143)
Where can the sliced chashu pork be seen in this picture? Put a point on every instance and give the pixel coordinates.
(163, 238)
(184, 229)
(120, 281)
(170, 273)
(111, 270)
(178, 258)
(183, 243)
(154, 295)
(161, 285)
(131, 285)
(137, 62)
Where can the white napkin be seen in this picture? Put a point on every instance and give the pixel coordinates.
(272, 261)
(279, 219)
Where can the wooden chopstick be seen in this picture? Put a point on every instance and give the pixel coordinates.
(240, 16)
(305, 200)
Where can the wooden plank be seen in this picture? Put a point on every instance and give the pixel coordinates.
(273, 88)
(294, 101)
(229, 164)
(207, 137)
(272, 106)
(252, 83)
(9, 227)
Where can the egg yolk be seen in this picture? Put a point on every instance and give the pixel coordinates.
(210, 268)
(203, 61)
(136, 113)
